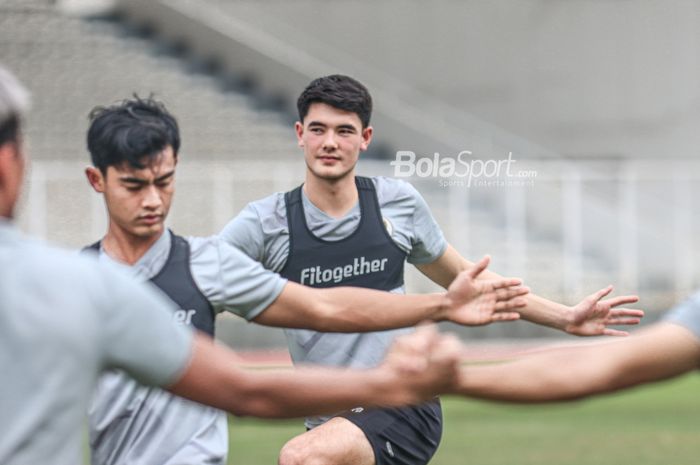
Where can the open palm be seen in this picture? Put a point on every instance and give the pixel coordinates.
(593, 316)
(475, 302)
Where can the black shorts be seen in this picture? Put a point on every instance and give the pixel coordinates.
(400, 436)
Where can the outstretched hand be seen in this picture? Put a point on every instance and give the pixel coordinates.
(592, 316)
(475, 302)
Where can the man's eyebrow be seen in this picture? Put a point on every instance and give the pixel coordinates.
(135, 180)
(165, 176)
(340, 126)
(132, 180)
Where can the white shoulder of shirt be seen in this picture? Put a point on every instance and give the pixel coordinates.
(392, 189)
(272, 202)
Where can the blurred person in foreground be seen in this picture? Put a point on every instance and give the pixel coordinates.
(666, 349)
(337, 217)
(64, 319)
(134, 148)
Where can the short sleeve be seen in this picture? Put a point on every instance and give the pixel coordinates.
(139, 334)
(260, 231)
(412, 219)
(686, 314)
(231, 280)
(244, 232)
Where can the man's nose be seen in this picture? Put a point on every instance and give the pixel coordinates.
(151, 198)
(329, 141)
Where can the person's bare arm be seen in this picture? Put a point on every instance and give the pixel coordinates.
(212, 378)
(590, 317)
(661, 351)
(468, 301)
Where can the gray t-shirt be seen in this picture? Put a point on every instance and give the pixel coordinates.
(686, 314)
(63, 320)
(261, 231)
(130, 423)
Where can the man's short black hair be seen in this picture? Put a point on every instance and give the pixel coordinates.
(338, 91)
(14, 103)
(134, 131)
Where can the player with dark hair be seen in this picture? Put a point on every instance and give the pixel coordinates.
(114, 139)
(64, 319)
(340, 92)
(337, 218)
(133, 146)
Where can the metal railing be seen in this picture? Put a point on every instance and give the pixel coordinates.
(631, 223)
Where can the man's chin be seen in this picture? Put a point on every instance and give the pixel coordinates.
(148, 232)
(332, 175)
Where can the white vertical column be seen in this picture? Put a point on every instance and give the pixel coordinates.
(572, 231)
(628, 230)
(682, 232)
(281, 173)
(37, 201)
(222, 196)
(516, 230)
(458, 221)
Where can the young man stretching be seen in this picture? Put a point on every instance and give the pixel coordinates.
(134, 149)
(64, 319)
(337, 220)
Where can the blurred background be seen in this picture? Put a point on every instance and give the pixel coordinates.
(596, 102)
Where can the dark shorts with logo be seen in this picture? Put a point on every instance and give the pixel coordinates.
(401, 436)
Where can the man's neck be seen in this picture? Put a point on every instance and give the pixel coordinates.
(335, 198)
(125, 247)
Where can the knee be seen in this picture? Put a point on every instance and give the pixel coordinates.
(297, 453)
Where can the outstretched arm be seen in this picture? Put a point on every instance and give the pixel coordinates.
(211, 378)
(590, 317)
(661, 351)
(468, 301)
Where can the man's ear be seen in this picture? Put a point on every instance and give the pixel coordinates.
(366, 137)
(299, 129)
(95, 178)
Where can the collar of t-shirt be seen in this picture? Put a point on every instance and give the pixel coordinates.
(327, 227)
(149, 264)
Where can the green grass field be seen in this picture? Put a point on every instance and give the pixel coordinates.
(659, 424)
